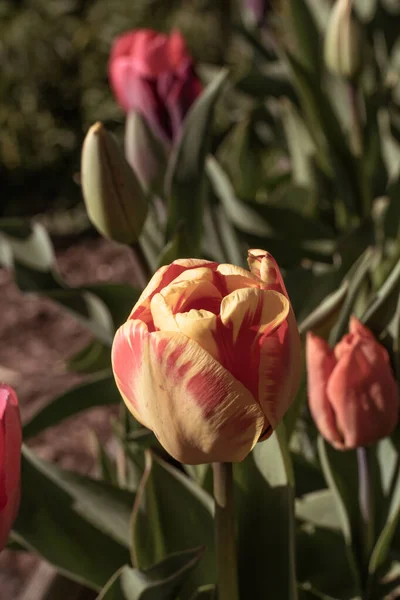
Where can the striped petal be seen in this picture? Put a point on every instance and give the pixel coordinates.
(199, 325)
(279, 372)
(197, 410)
(163, 277)
(232, 278)
(251, 347)
(187, 295)
(263, 265)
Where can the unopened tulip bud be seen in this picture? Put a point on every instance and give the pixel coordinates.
(115, 202)
(144, 152)
(10, 460)
(343, 41)
(352, 392)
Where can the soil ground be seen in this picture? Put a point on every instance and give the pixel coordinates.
(36, 338)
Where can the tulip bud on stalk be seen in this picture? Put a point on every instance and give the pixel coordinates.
(354, 400)
(115, 202)
(210, 360)
(153, 74)
(343, 41)
(10, 461)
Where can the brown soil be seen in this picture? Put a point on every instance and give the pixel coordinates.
(36, 339)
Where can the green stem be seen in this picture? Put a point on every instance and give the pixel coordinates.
(225, 532)
(356, 127)
(142, 267)
(366, 502)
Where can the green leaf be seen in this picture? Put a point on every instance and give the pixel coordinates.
(205, 592)
(265, 513)
(358, 279)
(315, 549)
(173, 514)
(319, 509)
(389, 466)
(270, 82)
(50, 523)
(106, 506)
(161, 582)
(306, 33)
(341, 474)
(92, 358)
(384, 304)
(185, 180)
(99, 391)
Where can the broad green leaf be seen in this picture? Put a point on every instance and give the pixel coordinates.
(341, 474)
(49, 523)
(265, 512)
(307, 475)
(316, 550)
(389, 467)
(306, 34)
(160, 582)
(185, 180)
(173, 514)
(99, 391)
(319, 509)
(106, 506)
(301, 146)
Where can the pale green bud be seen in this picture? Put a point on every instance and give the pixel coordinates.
(342, 50)
(115, 201)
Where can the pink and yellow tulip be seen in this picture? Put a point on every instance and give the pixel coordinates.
(209, 358)
(10, 460)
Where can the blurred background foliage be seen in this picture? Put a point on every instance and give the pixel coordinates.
(54, 83)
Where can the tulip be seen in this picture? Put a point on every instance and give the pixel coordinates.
(343, 41)
(209, 358)
(10, 460)
(153, 74)
(352, 393)
(115, 202)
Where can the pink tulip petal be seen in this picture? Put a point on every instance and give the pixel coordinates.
(249, 345)
(198, 411)
(10, 460)
(320, 365)
(363, 393)
(280, 367)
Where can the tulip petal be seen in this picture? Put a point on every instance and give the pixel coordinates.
(279, 371)
(233, 278)
(320, 365)
(10, 459)
(198, 411)
(364, 395)
(263, 265)
(163, 277)
(187, 295)
(251, 347)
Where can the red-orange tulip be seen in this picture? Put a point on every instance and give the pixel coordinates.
(352, 393)
(209, 358)
(10, 459)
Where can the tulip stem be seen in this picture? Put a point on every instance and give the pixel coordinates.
(225, 532)
(356, 126)
(142, 267)
(366, 501)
